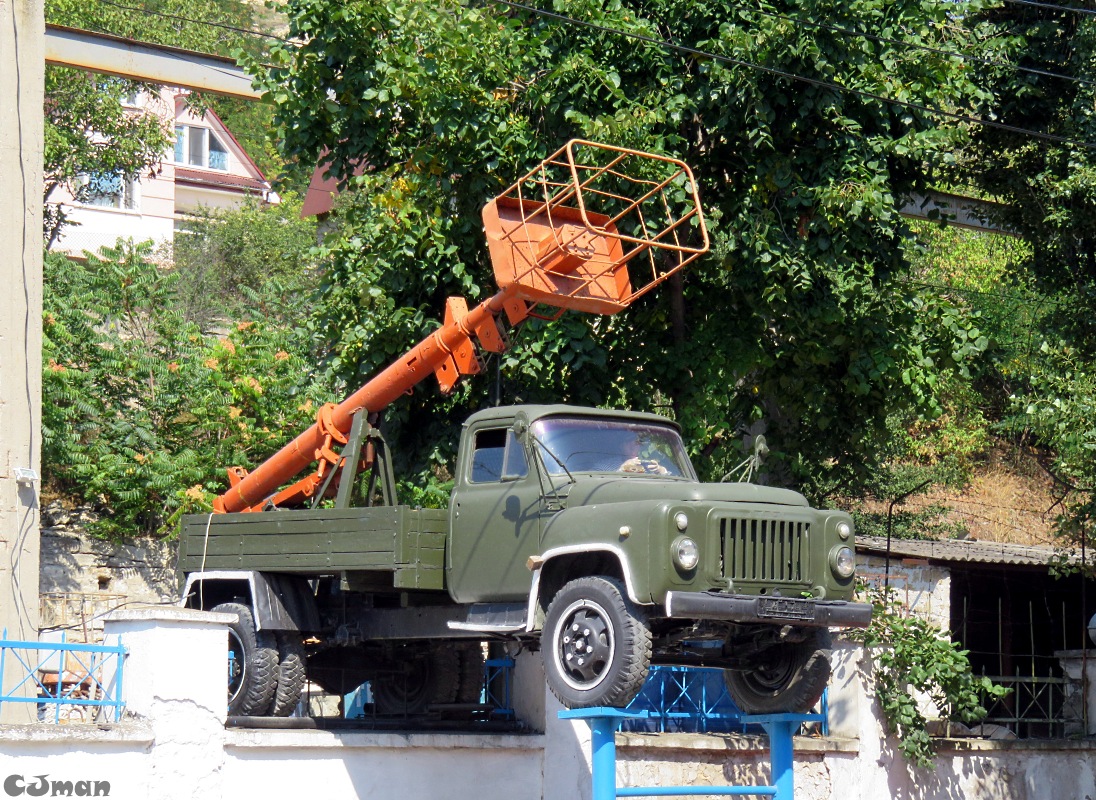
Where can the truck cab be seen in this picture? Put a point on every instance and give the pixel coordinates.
(552, 501)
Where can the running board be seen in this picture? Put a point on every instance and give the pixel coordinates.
(492, 618)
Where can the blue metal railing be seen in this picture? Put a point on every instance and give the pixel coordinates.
(68, 681)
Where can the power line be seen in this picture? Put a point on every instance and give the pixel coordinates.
(1051, 6)
(926, 48)
(1050, 137)
(208, 23)
(999, 295)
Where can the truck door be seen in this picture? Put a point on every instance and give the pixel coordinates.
(494, 518)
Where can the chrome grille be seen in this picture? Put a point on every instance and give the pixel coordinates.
(764, 549)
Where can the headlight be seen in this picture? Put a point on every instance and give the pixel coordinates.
(843, 562)
(844, 530)
(685, 552)
(681, 520)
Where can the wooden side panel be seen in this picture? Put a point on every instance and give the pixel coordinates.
(423, 551)
(410, 543)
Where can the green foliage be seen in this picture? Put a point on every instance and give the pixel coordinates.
(912, 657)
(926, 523)
(800, 320)
(1048, 197)
(226, 256)
(141, 412)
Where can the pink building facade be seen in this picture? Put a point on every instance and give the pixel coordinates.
(206, 168)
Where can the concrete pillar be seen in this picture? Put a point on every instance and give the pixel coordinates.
(1079, 695)
(845, 689)
(176, 677)
(22, 53)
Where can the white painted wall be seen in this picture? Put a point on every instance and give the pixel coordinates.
(178, 747)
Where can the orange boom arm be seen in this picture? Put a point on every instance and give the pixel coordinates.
(581, 231)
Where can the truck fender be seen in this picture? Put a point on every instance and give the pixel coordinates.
(538, 564)
(278, 602)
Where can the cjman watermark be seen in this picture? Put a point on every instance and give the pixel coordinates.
(42, 786)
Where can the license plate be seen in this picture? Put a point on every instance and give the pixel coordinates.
(785, 608)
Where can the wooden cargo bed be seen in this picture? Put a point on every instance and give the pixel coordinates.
(406, 541)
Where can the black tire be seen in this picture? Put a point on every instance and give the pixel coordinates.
(253, 675)
(418, 681)
(291, 675)
(596, 644)
(471, 674)
(790, 678)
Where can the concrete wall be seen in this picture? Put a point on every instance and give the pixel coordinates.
(21, 75)
(83, 577)
(922, 587)
(175, 745)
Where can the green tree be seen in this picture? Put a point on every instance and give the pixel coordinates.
(227, 258)
(1047, 194)
(800, 320)
(141, 411)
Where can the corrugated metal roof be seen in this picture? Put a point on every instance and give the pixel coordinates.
(954, 550)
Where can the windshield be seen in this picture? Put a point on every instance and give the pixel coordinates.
(605, 445)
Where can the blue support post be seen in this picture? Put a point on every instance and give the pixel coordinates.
(604, 722)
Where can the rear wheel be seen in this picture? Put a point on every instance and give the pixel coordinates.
(417, 681)
(789, 677)
(471, 674)
(290, 677)
(253, 664)
(596, 644)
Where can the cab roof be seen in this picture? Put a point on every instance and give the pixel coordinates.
(534, 412)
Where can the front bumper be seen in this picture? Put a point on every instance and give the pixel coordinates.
(768, 610)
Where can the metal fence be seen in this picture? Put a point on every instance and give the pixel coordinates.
(1036, 708)
(69, 682)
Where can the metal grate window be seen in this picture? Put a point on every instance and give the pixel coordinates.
(763, 549)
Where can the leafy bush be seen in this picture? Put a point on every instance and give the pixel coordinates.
(232, 262)
(913, 656)
(141, 411)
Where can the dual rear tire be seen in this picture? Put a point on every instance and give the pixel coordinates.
(266, 673)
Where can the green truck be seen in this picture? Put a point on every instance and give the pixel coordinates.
(580, 532)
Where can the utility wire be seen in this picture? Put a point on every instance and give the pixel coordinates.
(728, 60)
(924, 47)
(999, 295)
(208, 23)
(1050, 137)
(1051, 6)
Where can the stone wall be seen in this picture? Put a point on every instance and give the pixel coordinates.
(82, 577)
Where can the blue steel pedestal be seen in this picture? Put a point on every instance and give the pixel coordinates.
(604, 721)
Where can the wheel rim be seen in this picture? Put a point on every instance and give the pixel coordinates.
(772, 676)
(585, 643)
(236, 665)
(406, 690)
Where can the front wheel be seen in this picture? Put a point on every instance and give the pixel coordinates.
(788, 678)
(596, 644)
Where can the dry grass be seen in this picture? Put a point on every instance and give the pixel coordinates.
(1009, 499)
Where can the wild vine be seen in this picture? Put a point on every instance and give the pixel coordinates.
(913, 658)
